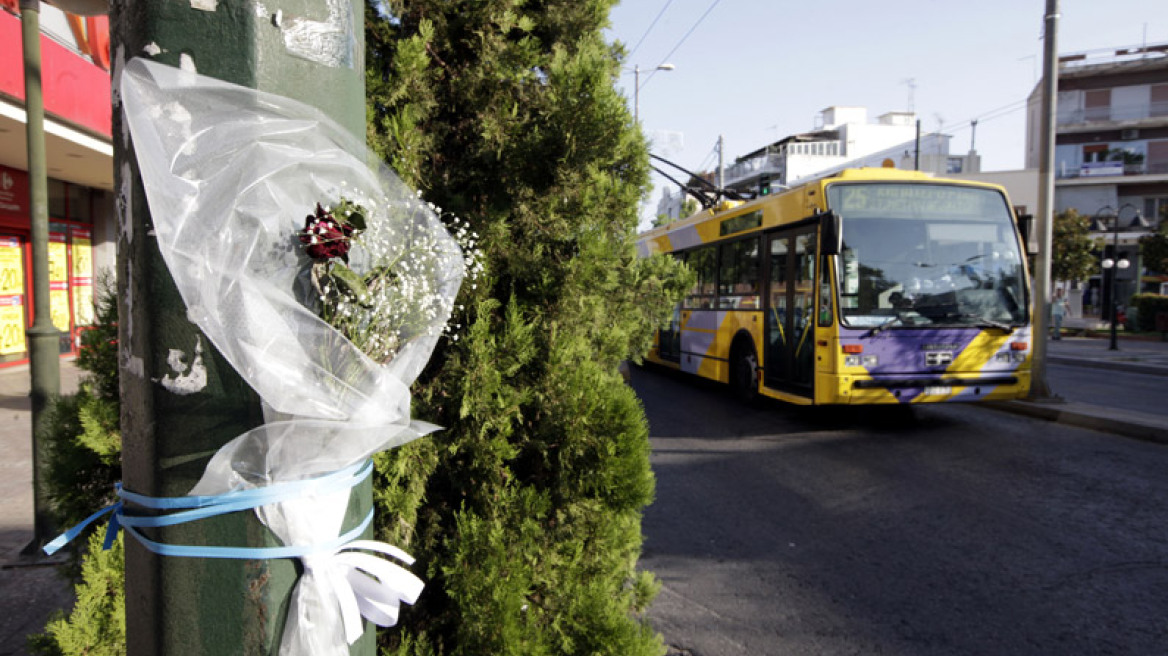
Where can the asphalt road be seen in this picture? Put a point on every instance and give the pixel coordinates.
(1114, 389)
(951, 530)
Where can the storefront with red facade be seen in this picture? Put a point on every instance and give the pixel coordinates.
(80, 178)
(71, 279)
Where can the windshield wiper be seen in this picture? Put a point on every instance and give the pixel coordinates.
(990, 323)
(894, 321)
(983, 323)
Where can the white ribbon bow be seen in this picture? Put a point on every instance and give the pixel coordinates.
(366, 585)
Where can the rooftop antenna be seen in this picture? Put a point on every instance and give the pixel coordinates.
(940, 131)
(911, 83)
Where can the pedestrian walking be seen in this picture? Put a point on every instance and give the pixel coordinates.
(1058, 310)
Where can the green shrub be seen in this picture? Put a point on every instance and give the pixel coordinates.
(1147, 305)
(82, 440)
(97, 624)
(82, 462)
(524, 512)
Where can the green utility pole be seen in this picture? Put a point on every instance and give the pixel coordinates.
(44, 348)
(1039, 386)
(309, 50)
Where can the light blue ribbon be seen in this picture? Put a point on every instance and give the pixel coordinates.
(192, 508)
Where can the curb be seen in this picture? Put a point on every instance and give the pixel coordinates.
(1136, 425)
(1133, 366)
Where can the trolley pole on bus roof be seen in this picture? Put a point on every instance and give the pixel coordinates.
(1039, 388)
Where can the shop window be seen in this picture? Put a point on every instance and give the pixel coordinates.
(80, 203)
(58, 199)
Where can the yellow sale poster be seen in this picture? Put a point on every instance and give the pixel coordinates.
(59, 305)
(83, 305)
(11, 325)
(59, 310)
(58, 258)
(82, 254)
(82, 279)
(11, 267)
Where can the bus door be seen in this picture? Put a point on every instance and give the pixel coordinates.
(789, 341)
(669, 337)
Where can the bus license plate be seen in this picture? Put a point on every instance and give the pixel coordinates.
(938, 390)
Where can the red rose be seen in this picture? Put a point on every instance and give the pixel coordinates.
(324, 236)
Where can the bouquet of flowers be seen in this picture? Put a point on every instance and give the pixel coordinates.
(394, 302)
(328, 317)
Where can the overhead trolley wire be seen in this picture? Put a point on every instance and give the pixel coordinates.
(687, 34)
(649, 29)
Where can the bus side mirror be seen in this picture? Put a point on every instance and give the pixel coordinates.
(1026, 228)
(829, 231)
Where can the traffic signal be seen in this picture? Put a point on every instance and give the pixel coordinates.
(764, 185)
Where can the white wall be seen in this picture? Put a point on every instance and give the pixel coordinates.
(1021, 185)
(1087, 199)
(1130, 103)
(864, 139)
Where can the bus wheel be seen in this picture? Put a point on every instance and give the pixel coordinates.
(744, 374)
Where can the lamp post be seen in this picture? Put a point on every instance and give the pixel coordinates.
(637, 88)
(1112, 265)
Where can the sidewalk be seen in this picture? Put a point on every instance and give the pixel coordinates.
(30, 588)
(1145, 356)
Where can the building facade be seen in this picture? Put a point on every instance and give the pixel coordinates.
(1111, 151)
(79, 161)
(844, 138)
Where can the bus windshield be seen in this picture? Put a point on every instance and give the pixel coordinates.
(924, 254)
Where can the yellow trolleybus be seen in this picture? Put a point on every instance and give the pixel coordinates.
(873, 286)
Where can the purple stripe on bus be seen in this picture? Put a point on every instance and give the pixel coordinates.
(705, 319)
(684, 238)
(904, 351)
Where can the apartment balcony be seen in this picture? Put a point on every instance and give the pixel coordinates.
(1113, 117)
(1110, 169)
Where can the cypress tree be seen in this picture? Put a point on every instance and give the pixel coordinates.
(525, 512)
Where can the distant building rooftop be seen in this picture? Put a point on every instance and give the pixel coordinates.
(1123, 55)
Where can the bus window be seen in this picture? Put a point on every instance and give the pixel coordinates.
(738, 279)
(935, 255)
(825, 292)
(704, 262)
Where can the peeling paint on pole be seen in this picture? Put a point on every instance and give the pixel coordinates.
(330, 42)
(181, 400)
(188, 379)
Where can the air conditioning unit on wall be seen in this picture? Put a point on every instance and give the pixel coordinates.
(1129, 134)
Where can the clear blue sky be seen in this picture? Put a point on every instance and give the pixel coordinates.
(755, 71)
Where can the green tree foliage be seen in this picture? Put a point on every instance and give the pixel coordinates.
(82, 437)
(1154, 248)
(83, 461)
(525, 511)
(1074, 254)
(97, 624)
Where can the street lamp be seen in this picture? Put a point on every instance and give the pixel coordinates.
(637, 88)
(1112, 266)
